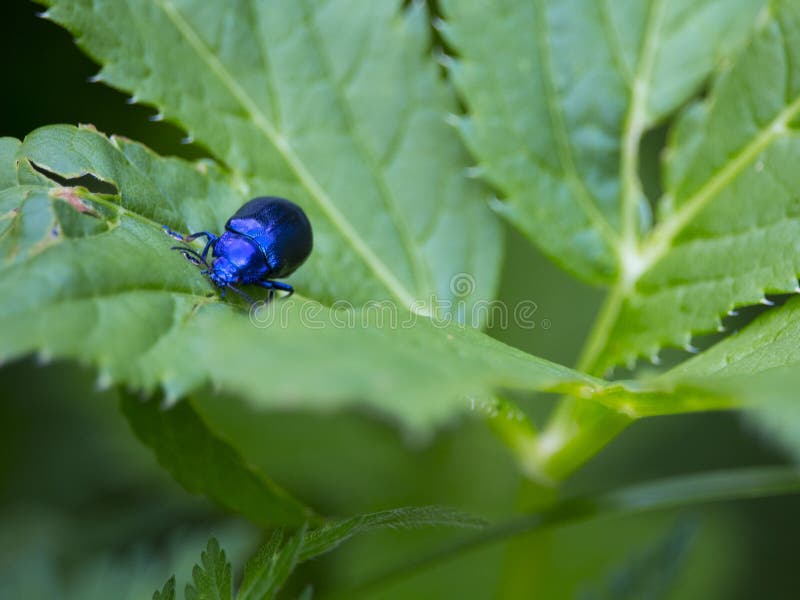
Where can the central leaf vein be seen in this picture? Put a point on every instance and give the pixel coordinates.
(564, 149)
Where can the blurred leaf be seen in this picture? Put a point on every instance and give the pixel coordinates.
(665, 494)
(256, 572)
(650, 574)
(273, 563)
(560, 94)
(167, 592)
(204, 463)
(330, 535)
(307, 593)
(113, 295)
(8, 172)
(49, 562)
(333, 104)
(212, 580)
(271, 566)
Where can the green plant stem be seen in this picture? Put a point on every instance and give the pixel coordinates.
(601, 330)
(578, 429)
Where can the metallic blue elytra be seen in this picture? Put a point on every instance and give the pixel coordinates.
(266, 239)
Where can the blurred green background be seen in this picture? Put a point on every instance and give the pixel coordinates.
(86, 512)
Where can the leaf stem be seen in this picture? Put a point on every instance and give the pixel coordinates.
(601, 330)
(577, 430)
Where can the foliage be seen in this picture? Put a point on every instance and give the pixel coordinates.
(269, 568)
(340, 106)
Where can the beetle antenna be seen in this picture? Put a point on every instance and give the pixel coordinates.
(193, 256)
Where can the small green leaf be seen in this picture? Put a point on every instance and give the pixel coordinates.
(206, 464)
(271, 566)
(258, 568)
(167, 592)
(212, 578)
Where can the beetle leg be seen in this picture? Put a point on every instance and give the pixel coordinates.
(276, 285)
(212, 241)
(241, 293)
(188, 238)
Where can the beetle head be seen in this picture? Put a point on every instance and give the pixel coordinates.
(223, 273)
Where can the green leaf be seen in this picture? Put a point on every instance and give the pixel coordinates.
(546, 84)
(333, 104)
(728, 222)
(94, 279)
(560, 94)
(212, 579)
(8, 172)
(332, 534)
(758, 366)
(203, 463)
(167, 592)
(257, 571)
(666, 494)
(726, 225)
(271, 566)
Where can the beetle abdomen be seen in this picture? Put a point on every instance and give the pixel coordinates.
(279, 228)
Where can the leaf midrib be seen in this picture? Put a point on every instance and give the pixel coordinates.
(660, 241)
(381, 270)
(636, 121)
(418, 266)
(564, 149)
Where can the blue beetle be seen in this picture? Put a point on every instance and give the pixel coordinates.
(266, 239)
